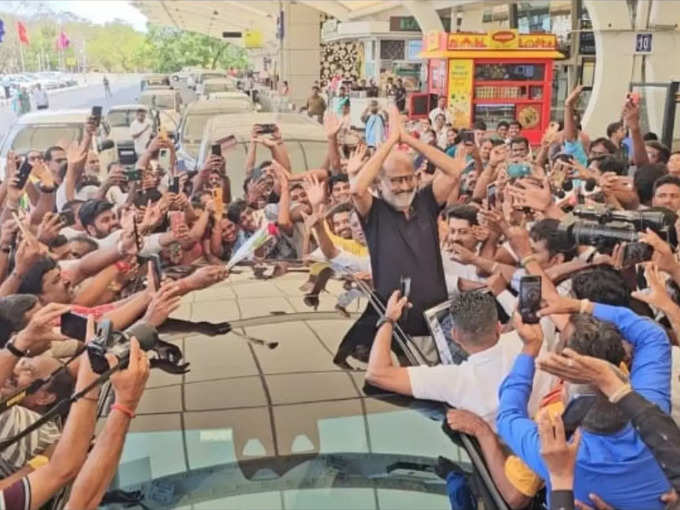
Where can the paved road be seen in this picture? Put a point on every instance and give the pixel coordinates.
(125, 90)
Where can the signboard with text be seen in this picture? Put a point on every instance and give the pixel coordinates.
(643, 42)
(461, 73)
(508, 39)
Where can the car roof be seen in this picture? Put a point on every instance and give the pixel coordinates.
(245, 409)
(213, 81)
(55, 117)
(125, 107)
(160, 91)
(215, 105)
(293, 125)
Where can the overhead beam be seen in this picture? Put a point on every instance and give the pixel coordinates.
(331, 7)
(425, 14)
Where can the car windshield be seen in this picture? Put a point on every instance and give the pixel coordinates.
(41, 137)
(217, 87)
(120, 118)
(164, 101)
(284, 428)
(193, 127)
(211, 76)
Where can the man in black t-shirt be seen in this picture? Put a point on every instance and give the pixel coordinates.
(401, 224)
(400, 95)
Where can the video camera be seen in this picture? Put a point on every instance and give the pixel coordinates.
(117, 343)
(605, 227)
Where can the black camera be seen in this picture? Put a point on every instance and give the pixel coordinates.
(604, 227)
(118, 343)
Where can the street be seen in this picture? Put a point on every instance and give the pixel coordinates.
(125, 89)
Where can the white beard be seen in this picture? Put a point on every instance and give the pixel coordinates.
(399, 201)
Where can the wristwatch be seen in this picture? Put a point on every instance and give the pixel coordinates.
(14, 351)
(384, 320)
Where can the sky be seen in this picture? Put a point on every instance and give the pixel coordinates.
(97, 11)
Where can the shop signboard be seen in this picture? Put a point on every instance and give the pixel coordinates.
(461, 74)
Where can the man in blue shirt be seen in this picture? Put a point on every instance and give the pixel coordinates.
(612, 461)
(374, 119)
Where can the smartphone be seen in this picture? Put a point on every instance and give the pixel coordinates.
(634, 253)
(491, 195)
(266, 129)
(467, 136)
(97, 114)
(133, 174)
(176, 218)
(518, 170)
(174, 185)
(67, 218)
(138, 241)
(216, 149)
(576, 411)
(219, 201)
(74, 326)
(23, 173)
(156, 272)
(164, 158)
(405, 289)
(529, 298)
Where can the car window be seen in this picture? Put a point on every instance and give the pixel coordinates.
(216, 87)
(120, 118)
(315, 153)
(193, 127)
(42, 137)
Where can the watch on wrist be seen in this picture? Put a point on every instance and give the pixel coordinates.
(14, 351)
(384, 320)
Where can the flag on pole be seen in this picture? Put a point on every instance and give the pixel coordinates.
(63, 41)
(23, 33)
(2, 30)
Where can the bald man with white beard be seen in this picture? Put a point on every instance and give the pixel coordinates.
(401, 223)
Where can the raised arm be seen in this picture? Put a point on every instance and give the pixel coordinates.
(631, 115)
(381, 372)
(332, 126)
(360, 186)
(97, 472)
(570, 127)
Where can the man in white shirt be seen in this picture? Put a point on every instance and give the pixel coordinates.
(440, 109)
(472, 385)
(140, 131)
(40, 98)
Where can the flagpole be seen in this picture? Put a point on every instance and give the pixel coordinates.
(21, 51)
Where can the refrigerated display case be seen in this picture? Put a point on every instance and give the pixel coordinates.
(492, 76)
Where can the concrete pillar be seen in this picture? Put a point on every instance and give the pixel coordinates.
(425, 14)
(617, 65)
(471, 20)
(614, 50)
(300, 53)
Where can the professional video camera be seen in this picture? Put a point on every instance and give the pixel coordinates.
(118, 343)
(605, 227)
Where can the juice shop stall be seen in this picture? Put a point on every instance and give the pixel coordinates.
(493, 76)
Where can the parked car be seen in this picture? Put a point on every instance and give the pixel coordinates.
(196, 116)
(306, 143)
(215, 85)
(43, 129)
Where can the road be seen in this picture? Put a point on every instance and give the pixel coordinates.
(125, 90)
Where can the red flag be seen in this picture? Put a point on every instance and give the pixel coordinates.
(23, 33)
(63, 41)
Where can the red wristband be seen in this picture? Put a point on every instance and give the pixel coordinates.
(122, 266)
(123, 409)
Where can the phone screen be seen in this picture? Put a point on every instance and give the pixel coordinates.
(634, 253)
(174, 185)
(97, 114)
(24, 172)
(216, 149)
(529, 298)
(491, 195)
(164, 158)
(576, 411)
(74, 326)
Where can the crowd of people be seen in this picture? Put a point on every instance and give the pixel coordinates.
(576, 392)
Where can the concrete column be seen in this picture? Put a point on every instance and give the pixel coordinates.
(301, 52)
(617, 65)
(472, 19)
(425, 14)
(614, 65)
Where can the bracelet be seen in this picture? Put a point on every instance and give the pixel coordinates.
(383, 321)
(14, 351)
(584, 306)
(527, 259)
(620, 393)
(123, 409)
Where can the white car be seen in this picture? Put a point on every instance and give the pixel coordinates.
(215, 85)
(43, 129)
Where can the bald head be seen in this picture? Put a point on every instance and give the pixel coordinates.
(398, 163)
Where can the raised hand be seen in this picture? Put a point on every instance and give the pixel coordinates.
(395, 306)
(331, 124)
(356, 160)
(316, 191)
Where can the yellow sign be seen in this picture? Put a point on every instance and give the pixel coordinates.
(460, 92)
(252, 39)
(508, 39)
(432, 41)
